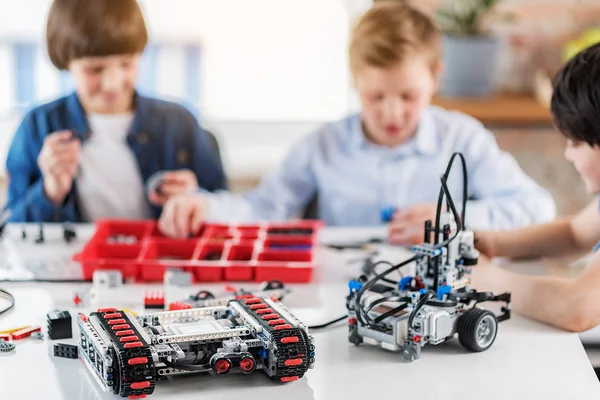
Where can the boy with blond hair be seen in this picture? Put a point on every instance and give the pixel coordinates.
(389, 154)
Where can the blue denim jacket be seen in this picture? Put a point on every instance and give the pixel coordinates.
(163, 136)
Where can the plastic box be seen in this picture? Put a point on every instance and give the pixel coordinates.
(282, 251)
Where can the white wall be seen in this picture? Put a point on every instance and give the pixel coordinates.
(281, 63)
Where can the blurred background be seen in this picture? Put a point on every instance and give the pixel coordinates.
(261, 74)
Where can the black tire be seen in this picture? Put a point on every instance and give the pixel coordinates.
(204, 295)
(477, 329)
(273, 285)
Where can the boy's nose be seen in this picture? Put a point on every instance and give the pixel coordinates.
(393, 109)
(111, 81)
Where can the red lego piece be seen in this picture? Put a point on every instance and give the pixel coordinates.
(179, 305)
(25, 333)
(77, 300)
(5, 336)
(230, 289)
(154, 299)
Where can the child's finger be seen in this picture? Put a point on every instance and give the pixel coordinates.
(396, 228)
(180, 176)
(72, 149)
(57, 137)
(166, 221)
(197, 220)
(64, 164)
(156, 199)
(406, 238)
(183, 216)
(170, 189)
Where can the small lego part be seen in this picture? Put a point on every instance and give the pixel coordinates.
(122, 239)
(387, 213)
(4, 216)
(179, 305)
(80, 299)
(177, 277)
(37, 335)
(69, 232)
(65, 350)
(23, 233)
(10, 331)
(6, 347)
(40, 239)
(25, 333)
(154, 299)
(5, 336)
(59, 325)
(107, 279)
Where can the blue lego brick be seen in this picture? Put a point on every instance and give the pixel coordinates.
(442, 290)
(404, 282)
(354, 286)
(387, 213)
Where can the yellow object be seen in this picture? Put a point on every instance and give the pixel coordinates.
(11, 331)
(589, 38)
(127, 310)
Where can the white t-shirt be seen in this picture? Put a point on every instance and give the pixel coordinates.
(109, 183)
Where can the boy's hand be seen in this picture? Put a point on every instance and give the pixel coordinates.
(407, 226)
(485, 275)
(183, 215)
(58, 161)
(485, 243)
(173, 183)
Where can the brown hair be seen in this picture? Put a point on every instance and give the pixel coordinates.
(389, 32)
(88, 28)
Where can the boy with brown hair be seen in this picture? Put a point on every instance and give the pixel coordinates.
(87, 155)
(390, 154)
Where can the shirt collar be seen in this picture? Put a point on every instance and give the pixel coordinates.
(424, 142)
(80, 125)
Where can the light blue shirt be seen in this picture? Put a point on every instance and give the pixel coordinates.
(355, 179)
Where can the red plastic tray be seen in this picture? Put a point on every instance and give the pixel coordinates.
(283, 251)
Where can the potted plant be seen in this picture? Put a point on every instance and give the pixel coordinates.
(470, 49)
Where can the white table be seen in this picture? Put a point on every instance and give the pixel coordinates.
(528, 359)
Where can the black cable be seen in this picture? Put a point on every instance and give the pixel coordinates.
(386, 279)
(393, 299)
(460, 220)
(326, 324)
(186, 367)
(442, 303)
(390, 312)
(7, 296)
(419, 305)
(371, 283)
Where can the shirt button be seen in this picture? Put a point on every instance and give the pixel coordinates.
(182, 156)
(142, 138)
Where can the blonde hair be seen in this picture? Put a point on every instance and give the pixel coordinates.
(391, 31)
